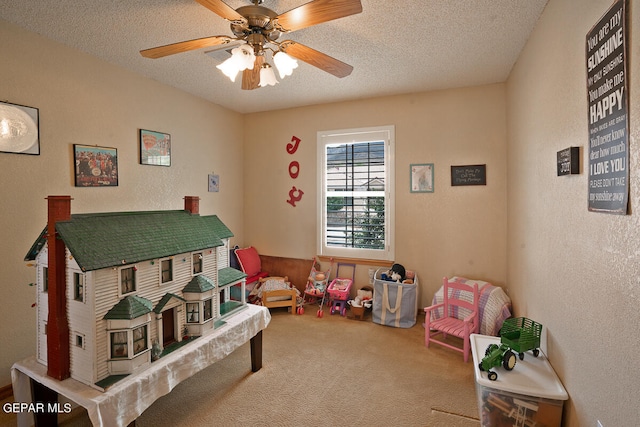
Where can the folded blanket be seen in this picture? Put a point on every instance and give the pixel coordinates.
(494, 305)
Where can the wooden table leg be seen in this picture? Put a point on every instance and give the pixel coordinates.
(42, 395)
(256, 352)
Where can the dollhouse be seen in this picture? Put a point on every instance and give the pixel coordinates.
(115, 290)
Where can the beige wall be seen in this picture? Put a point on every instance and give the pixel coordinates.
(576, 272)
(455, 230)
(86, 101)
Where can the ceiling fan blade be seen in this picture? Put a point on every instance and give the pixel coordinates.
(171, 49)
(222, 9)
(317, 59)
(316, 12)
(251, 78)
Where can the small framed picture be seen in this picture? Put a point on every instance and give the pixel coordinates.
(421, 178)
(19, 129)
(155, 148)
(95, 166)
(214, 183)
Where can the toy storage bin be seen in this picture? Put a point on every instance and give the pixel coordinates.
(394, 304)
(530, 394)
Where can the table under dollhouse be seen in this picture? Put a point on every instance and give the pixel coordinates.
(126, 400)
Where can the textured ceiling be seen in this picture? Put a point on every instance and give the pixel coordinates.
(395, 47)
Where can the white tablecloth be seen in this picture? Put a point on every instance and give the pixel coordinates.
(128, 398)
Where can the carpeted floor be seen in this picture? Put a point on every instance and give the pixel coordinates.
(322, 371)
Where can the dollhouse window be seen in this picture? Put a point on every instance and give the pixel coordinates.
(193, 312)
(78, 287)
(207, 309)
(166, 273)
(80, 341)
(45, 279)
(119, 347)
(140, 339)
(196, 261)
(127, 280)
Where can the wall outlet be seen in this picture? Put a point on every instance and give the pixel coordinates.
(372, 273)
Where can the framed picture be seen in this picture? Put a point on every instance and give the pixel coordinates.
(214, 183)
(95, 166)
(19, 129)
(155, 148)
(422, 178)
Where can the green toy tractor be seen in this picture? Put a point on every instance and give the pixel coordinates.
(517, 335)
(497, 355)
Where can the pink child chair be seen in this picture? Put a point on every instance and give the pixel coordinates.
(459, 317)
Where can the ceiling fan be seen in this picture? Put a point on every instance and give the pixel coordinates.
(257, 28)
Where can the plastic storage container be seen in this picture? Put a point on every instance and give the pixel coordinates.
(530, 394)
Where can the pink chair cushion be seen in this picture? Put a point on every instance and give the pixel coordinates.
(249, 261)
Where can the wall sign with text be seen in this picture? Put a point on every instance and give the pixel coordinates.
(469, 175)
(608, 106)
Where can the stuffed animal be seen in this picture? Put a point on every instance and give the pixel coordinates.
(397, 273)
(363, 297)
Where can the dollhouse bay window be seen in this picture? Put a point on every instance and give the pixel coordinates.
(199, 295)
(128, 335)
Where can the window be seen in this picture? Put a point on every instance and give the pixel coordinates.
(140, 339)
(45, 279)
(356, 215)
(121, 341)
(80, 340)
(193, 312)
(166, 273)
(127, 280)
(207, 309)
(78, 287)
(119, 347)
(196, 261)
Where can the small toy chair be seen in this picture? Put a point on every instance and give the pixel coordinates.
(459, 316)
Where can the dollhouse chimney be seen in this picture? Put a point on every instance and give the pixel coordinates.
(58, 358)
(192, 204)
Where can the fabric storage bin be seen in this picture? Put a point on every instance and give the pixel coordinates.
(531, 394)
(394, 304)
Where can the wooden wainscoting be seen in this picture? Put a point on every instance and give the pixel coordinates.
(297, 270)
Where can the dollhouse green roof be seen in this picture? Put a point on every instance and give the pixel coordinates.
(109, 239)
(218, 226)
(229, 275)
(199, 284)
(130, 307)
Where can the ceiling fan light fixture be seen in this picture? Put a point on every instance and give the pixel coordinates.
(267, 76)
(284, 63)
(242, 58)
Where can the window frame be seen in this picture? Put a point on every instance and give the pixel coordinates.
(193, 312)
(45, 278)
(197, 260)
(133, 280)
(170, 270)
(78, 286)
(355, 136)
